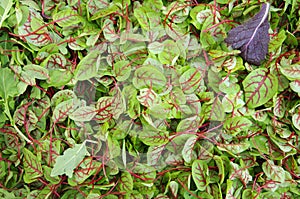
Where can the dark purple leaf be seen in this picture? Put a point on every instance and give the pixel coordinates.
(252, 37)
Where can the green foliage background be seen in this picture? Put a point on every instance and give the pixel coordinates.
(144, 99)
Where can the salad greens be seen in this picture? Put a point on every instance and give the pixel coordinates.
(144, 99)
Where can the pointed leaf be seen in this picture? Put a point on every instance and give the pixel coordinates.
(66, 163)
(88, 66)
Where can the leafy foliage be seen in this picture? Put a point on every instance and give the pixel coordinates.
(144, 99)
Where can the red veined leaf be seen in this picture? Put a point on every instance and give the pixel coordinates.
(190, 80)
(188, 152)
(125, 182)
(237, 172)
(141, 16)
(273, 171)
(32, 166)
(61, 96)
(55, 61)
(154, 155)
(36, 71)
(148, 97)
(291, 71)
(85, 169)
(88, 66)
(237, 124)
(105, 11)
(234, 148)
(64, 109)
(148, 77)
(295, 86)
(67, 18)
(259, 86)
(152, 137)
(122, 70)
(279, 106)
(296, 118)
(37, 38)
(83, 114)
(200, 174)
(109, 31)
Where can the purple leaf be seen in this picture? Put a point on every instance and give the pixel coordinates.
(252, 37)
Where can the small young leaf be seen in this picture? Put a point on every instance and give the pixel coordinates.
(252, 37)
(200, 174)
(8, 87)
(88, 66)
(273, 171)
(66, 163)
(32, 166)
(66, 18)
(259, 86)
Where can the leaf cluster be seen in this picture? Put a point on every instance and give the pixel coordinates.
(144, 99)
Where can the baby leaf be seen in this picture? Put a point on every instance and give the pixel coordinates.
(8, 87)
(32, 166)
(200, 174)
(260, 86)
(66, 163)
(252, 37)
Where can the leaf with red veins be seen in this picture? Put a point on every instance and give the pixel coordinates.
(259, 86)
(55, 61)
(148, 97)
(279, 106)
(39, 37)
(32, 166)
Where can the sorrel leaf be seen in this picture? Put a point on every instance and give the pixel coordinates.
(252, 37)
(259, 86)
(143, 99)
(8, 87)
(66, 163)
(200, 174)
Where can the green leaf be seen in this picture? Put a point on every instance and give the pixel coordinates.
(190, 80)
(105, 12)
(237, 172)
(140, 14)
(32, 166)
(148, 77)
(126, 182)
(8, 86)
(36, 71)
(6, 5)
(259, 86)
(64, 109)
(291, 71)
(88, 66)
(83, 114)
(237, 124)
(170, 53)
(200, 174)
(66, 163)
(66, 18)
(122, 70)
(273, 171)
